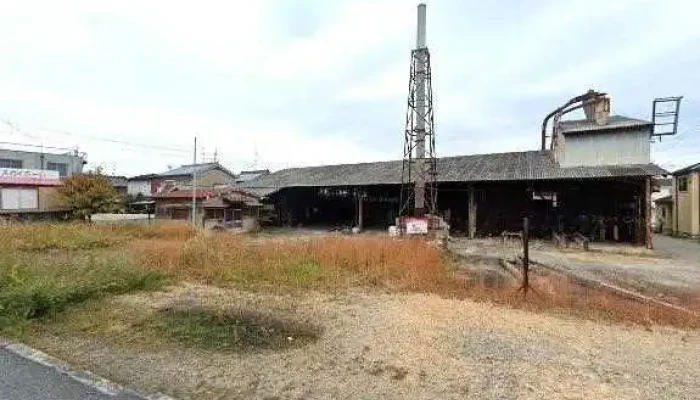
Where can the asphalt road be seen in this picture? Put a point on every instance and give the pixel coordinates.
(22, 379)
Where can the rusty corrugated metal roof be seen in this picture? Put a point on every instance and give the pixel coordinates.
(517, 166)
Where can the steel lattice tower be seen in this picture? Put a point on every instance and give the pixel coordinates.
(419, 170)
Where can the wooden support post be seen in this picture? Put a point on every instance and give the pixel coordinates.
(647, 214)
(360, 209)
(472, 213)
(526, 255)
(639, 219)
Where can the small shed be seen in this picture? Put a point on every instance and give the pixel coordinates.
(232, 208)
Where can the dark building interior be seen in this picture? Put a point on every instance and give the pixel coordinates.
(600, 209)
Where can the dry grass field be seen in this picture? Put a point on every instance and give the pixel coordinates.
(232, 316)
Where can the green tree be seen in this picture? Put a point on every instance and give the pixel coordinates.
(88, 194)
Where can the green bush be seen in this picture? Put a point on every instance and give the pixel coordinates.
(33, 287)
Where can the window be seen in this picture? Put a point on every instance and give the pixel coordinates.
(62, 168)
(10, 163)
(19, 199)
(683, 184)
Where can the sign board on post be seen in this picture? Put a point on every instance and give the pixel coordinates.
(416, 226)
(15, 176)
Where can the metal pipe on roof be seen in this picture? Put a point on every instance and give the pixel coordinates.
(590, 95)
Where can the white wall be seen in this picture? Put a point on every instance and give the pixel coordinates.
(611, 148)
(136, 187)
(19, 199)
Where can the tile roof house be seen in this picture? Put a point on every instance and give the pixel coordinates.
(209, 176)
(232, 208)
(173, 188)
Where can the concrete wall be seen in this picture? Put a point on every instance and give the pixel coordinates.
(609, 148)
(121, 219)
(687, 206)
(38, 160)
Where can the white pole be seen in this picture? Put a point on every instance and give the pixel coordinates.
(421, 68)
(194, 184)
(420, 34)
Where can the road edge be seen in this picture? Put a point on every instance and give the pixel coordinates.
(87, 378)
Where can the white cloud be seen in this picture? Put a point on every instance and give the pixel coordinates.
(236, 63)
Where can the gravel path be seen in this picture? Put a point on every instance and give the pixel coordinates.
(680, 249)
(410, 346)
(672, 271)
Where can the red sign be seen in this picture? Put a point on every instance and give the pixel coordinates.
(38, 177)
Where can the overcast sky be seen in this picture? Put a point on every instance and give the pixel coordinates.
(284, 83)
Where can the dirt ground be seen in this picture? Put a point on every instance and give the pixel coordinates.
(394, 346)
(670, 272)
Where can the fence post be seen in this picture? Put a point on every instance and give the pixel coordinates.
(526, 255)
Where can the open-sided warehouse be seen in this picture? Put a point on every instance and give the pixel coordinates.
(595, 180)
(498, 189)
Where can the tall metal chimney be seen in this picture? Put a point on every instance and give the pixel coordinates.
(420, 35)
(419, 173)
(421, 55)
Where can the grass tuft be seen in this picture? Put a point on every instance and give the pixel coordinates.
(33, 287)
(233, 330)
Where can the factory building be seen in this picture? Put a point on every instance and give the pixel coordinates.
(594, 179)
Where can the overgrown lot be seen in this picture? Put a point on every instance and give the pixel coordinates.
(214, 315)
(46, 268)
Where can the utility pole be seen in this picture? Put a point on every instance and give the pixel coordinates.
(194, 184)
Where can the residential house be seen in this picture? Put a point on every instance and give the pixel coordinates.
(28, 182)
(232, 208)
(174, 189)
(141, 185)
(686, 201)
(209, 176)
(119, 183)
(177, 204)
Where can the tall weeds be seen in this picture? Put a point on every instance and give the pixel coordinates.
(76, 236)
(322, 262)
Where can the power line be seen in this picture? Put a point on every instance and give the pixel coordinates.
(38, 145)
(122, 142)
(14, 128)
